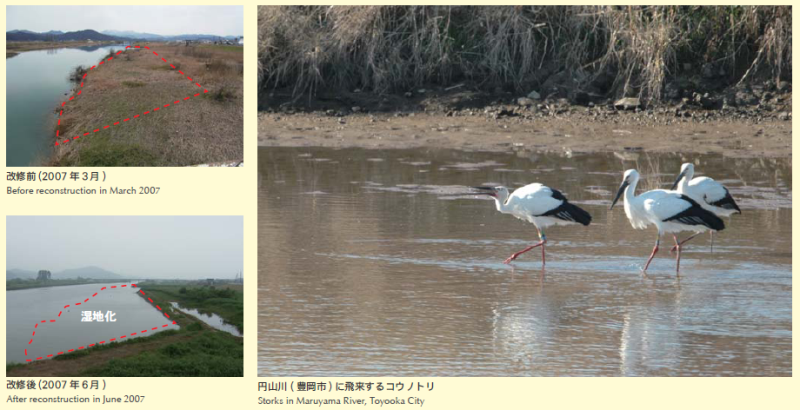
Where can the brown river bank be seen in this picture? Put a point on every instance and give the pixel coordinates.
(385, 131)
(500, 122)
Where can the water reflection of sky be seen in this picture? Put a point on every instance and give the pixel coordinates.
(28, 307)
(36, 83)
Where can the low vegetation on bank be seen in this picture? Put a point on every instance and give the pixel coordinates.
(582, 53)
(124, 112)
(208, 354)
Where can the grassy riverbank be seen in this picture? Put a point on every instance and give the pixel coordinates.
(195, 350)
(130, 101)
(205, 354)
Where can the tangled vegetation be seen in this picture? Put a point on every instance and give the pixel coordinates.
(606, 50)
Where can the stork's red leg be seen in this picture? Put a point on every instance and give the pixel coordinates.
(514, 256)
(678, 257)
(682, 242)
(655, 249)
(542, 241)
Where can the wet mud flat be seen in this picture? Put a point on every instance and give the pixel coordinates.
(373, 261)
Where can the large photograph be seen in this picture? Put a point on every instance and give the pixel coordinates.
(525, 191)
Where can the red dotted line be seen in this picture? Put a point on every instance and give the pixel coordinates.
(61, 112)
(102, 342)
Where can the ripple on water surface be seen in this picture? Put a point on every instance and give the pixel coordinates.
(396, 271)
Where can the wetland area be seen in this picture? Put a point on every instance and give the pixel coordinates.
(142, 340)
(67, 331)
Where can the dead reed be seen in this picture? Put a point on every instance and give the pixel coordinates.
(609, 50)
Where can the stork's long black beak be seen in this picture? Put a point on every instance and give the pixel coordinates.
(485, 190)
(619, 193)
(680, 176)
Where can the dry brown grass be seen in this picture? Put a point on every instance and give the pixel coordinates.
(200, 130)
(618, 50)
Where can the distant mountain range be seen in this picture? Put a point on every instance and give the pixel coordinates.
(131, 34)
(88, 272)
(107, 35)
(83, 35)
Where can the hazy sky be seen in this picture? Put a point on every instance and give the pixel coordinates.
(163, 20)
(186, 247)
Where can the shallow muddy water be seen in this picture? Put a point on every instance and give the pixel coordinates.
(36, 83)
(64, 329)
(211, 319)
(376, 263)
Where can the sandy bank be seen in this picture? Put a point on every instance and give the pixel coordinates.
(386, 131)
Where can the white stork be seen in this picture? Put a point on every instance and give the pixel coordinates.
(710, 194)
(538, 204)
(670, 211)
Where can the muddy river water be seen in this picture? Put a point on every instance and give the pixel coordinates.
(376, 263)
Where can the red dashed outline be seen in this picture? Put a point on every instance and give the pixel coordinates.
(61, 112)
(133, 285)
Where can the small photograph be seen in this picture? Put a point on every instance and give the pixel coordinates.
(164, 299)
(525, 191)
(155, 86)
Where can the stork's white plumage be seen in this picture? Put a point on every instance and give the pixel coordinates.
(710, 194)
(538, 204)
(670, 211)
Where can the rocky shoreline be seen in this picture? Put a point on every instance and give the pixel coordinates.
(755, 104)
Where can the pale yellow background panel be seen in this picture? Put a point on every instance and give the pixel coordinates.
(233, 192)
